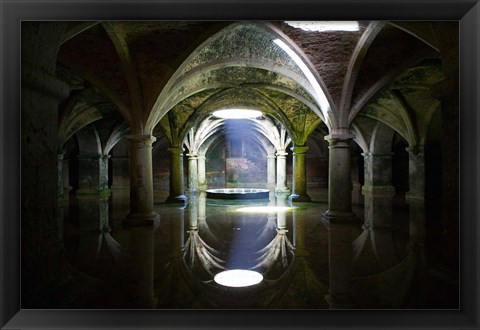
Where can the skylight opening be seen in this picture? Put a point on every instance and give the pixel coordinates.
(322, 26)
(237, 114)
(238, 278)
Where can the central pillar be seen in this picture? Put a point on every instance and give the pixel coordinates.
(141, 180)
(202, 174)
(192, 172)
(176, 176)
(271, 170)
(378, 191)
(282, 173)
(299, 193)
(339, 179)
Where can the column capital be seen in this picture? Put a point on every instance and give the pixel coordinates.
(339, 140)
(176, 150)
(281, 153)
(371, 155)
(415, 149)
(143, 138)
(341, 134)
(192, 156)
(299, 149)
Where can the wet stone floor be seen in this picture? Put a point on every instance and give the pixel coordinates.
(383, 259)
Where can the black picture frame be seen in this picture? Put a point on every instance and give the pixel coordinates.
(467, 12)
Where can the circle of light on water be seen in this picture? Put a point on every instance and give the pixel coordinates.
(238, 278)
(237, 114)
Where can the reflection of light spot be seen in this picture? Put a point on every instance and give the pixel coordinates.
(237, 114)
(324, 25)
(238, 278)
(264, 209)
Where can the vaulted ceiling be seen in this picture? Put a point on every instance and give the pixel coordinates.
(167, 77)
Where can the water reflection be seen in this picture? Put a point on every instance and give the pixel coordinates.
(305, 263)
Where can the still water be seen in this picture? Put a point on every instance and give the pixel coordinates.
(381, 260)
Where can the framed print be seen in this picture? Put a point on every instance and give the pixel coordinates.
(268, 164)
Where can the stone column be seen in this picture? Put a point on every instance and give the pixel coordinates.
(66, 175)
(41, 95)
(120, 174)
(202, 173)
(193, 208)
(416, 171)
(141, 180)
(192, 172)
(378, 191)
(299, 191)
(176, 176)
(93, 175)
(339, 179)
(271, 170)
(415, 199)
(356, 186)
(282, 172)
(60, 177)
(450, 176)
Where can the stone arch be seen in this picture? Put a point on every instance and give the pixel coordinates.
(264, 54)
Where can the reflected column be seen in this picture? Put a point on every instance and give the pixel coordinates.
(299, 193)
(141, 180)
(176, 176)
(340, 266)
(281, 215)
(142, 267)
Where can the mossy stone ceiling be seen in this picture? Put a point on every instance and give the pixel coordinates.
(189, 69)
(226, 73)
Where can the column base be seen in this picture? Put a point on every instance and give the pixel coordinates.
(141, 219)
(299, 198)
(282, 191)
(177, 199)
(339, 217)
(412, 197)
(120, 187)
(93, 192)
